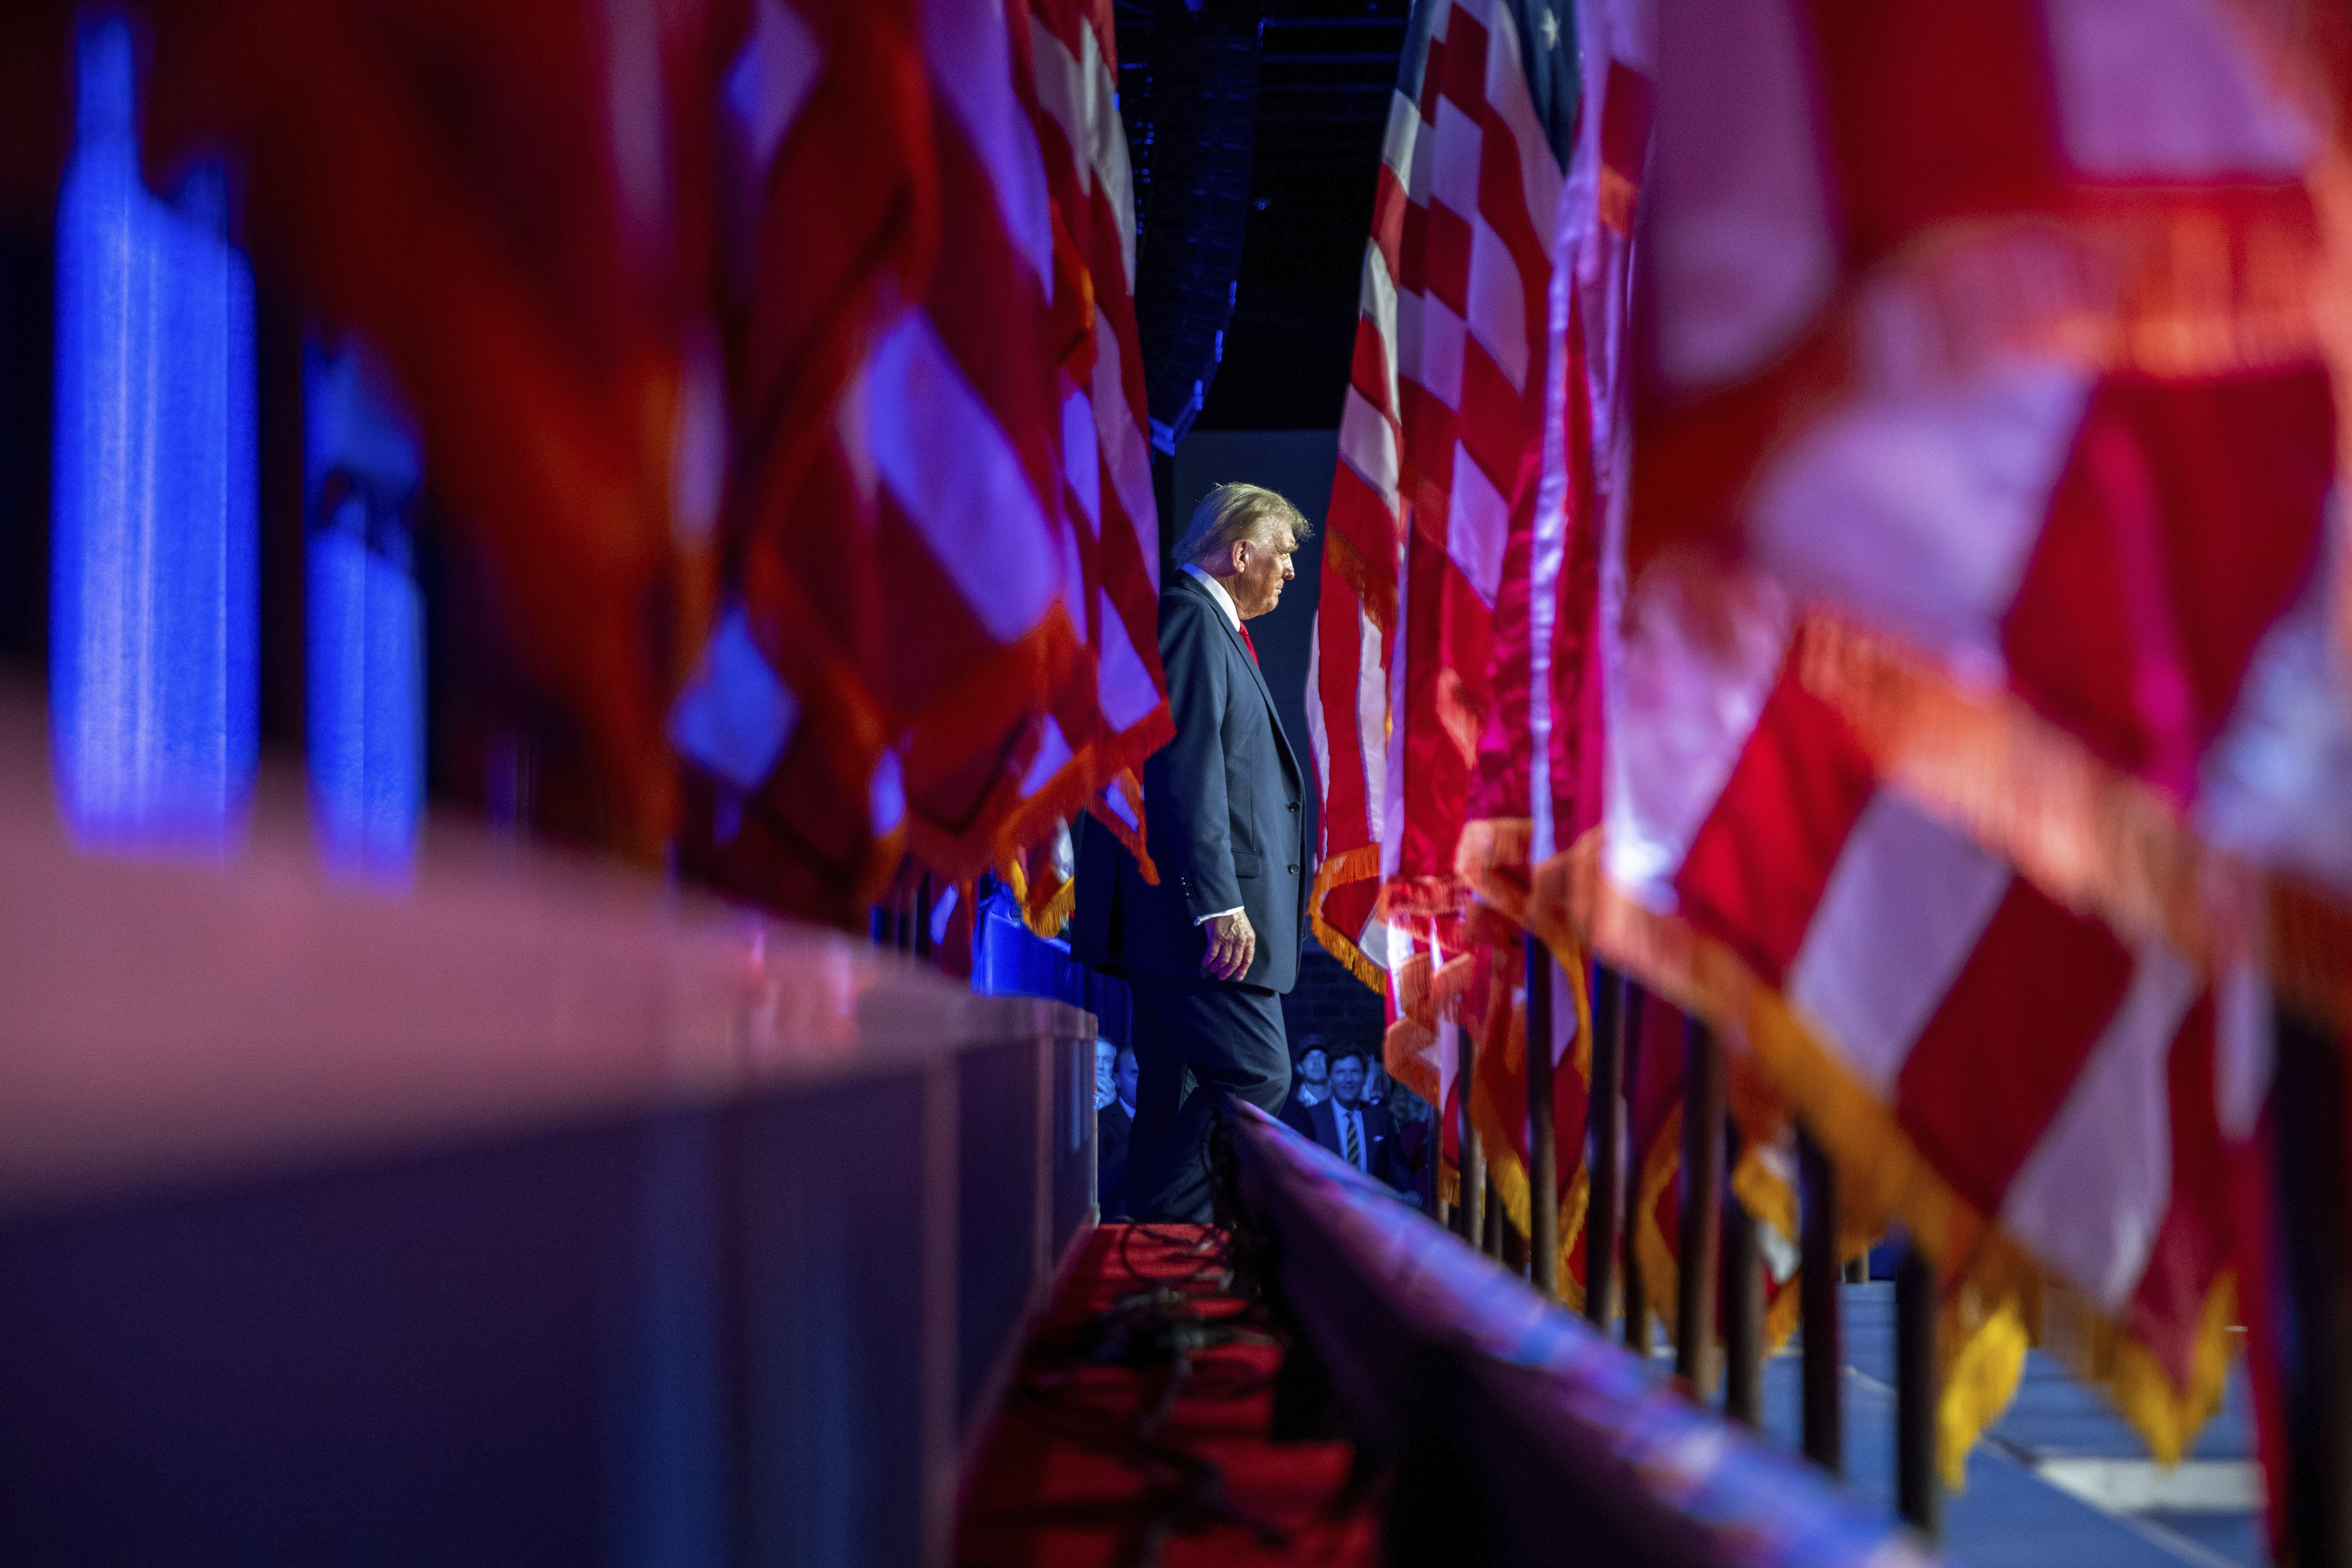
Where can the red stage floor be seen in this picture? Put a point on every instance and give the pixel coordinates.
(1078, 1472)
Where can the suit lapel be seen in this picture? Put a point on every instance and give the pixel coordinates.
(1249, 660)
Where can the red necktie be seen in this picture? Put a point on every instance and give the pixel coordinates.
(1243, 627)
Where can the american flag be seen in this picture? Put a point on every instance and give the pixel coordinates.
(1441, 444)
(1537, 789)
(1438, 438)
(530, 252)
(1975, 562)
(1539, 785)
(922, 654)
(1091, 759)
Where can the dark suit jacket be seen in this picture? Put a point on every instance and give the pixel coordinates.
(1113, 1127)
(1222, 817)
(1298, 1114)
(1381, 1149)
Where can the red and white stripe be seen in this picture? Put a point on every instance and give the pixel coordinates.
(1106, 447)
(914, 631)
(1445, 407)
(1962, 411)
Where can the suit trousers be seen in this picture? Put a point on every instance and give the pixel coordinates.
(1196, 1040)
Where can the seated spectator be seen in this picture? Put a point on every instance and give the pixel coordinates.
(1310, 1084)
(1114, 1125)
(1356, 1130)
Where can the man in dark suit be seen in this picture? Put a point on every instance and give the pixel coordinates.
(1211, 947)
(1114, 1126)
(1357, 1129)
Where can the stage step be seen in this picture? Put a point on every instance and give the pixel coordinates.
(1103, 1444)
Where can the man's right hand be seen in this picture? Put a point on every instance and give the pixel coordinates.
(1233, 943)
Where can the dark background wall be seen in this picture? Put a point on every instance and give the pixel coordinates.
(1322, 79)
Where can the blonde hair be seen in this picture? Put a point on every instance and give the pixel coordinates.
(1231, 513)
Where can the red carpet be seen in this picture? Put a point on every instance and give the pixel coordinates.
(1086, 1468)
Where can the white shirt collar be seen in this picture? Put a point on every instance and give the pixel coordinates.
(1217, 592)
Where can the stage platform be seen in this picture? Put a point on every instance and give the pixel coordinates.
(1062, 1480)
(2059, 1479)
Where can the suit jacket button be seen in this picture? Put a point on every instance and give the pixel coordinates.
(1294, 870)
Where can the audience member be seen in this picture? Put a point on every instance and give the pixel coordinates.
(1310, 1084)
(1114, 1123)
(1105, 1070)
(1359, 1130)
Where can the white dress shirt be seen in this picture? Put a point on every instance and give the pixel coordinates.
(1224, 603)
(1217, 592)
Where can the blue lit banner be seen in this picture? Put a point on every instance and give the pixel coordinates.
(153, 616)
(365, 662)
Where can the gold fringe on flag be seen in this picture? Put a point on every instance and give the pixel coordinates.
(1491, 857)
(1408, 1051)
(1357, 864)
(1048, 917)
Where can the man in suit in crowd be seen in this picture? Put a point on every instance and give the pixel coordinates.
(1357, 1129)
(1114, 1129)
(1211, 948)
(1113, 1125)
(1106, 1074)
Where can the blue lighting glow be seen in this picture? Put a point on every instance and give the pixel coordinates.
(366, 655)
(154, 615)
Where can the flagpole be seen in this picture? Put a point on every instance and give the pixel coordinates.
(1918, 1497)
(1543, 1151)
(1823, 1310)
(1472, 1168)
(1743, 1307)
(1602, 1120)
(1702, 1220)
(1637, 1296)
(2307, 1098)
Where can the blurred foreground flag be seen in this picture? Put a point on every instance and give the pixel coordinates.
(1106, 457)
(784, 380)
(1984, 450)
(933, 639)
(1987, 333)
(514, 205)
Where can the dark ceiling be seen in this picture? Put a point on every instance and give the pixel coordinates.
(1326, 72)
